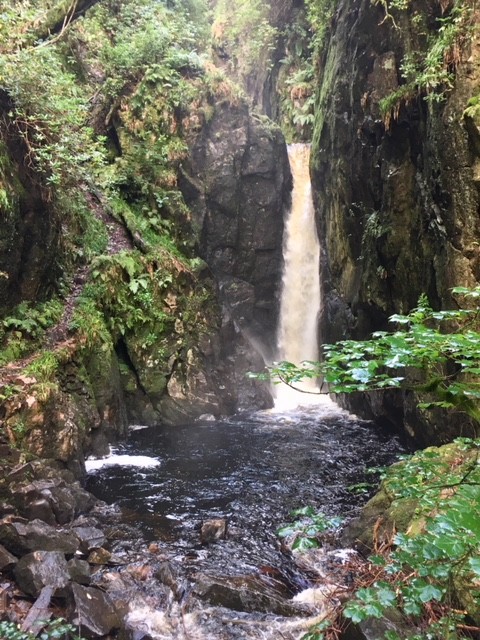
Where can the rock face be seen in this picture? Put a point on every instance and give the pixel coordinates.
(397, 196)
(237, 183)
(220, 321)
(30, 233)
(261, 82)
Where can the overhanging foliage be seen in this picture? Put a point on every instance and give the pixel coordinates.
(436, 353)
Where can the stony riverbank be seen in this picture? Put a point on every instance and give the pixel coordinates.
(65, 553)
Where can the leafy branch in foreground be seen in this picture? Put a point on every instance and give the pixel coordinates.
(435, 564)
(308, 530)
(423, 580)
(436, 353)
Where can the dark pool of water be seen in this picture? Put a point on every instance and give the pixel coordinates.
(251, 469)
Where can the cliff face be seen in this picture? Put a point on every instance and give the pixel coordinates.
(237, 184)
(141, 246)
(30, 229)
(397, 194)
(164, 342)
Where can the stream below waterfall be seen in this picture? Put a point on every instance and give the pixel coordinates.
(251, 469)
(248, 473)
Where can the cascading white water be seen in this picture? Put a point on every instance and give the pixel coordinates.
(300, 300)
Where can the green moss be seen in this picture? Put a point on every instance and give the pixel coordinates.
(422, 475)
(246, 32)
(332, 64)
(381, 517)
(11, 189)
(128, 380)
(44, 367)
(397, 97)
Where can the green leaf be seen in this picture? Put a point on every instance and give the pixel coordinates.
(133, 286)
(412, 608)
(430, 592)
(386, 596)
(361, 374)
(302, 544)
(304, 511)
(474, 564)
(355, 612)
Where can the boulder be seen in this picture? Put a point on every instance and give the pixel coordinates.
(375, 628)
(20, 472)
(39, 509)
(167, 574)
(79, 571)
(93, 612)
(214, 529)
(90, 538)
(20, 536)
(42, 569)
(7, 560)
(123, 591)
(52, 500)
(99, 556)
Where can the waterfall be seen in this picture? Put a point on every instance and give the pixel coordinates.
(300, 298)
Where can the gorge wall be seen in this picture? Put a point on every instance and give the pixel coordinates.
(140, 280)
(237, 182)
(150, 284)
(396, 193)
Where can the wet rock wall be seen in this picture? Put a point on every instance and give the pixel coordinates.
(396, 196)
(236, 182)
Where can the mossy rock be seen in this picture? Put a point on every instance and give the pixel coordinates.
(381, 517)
(385, 514)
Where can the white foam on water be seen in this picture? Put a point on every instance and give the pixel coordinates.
(288, 399)
(143, 462)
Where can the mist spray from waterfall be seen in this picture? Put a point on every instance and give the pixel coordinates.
(300, 298)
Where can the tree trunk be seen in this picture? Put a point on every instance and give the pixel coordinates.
(61, 15)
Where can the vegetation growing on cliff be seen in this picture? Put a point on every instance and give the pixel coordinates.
(99, 106)
(305, 39)
(243, 33)
(428, 68)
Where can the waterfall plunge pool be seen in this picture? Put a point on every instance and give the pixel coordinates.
(251, 469)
